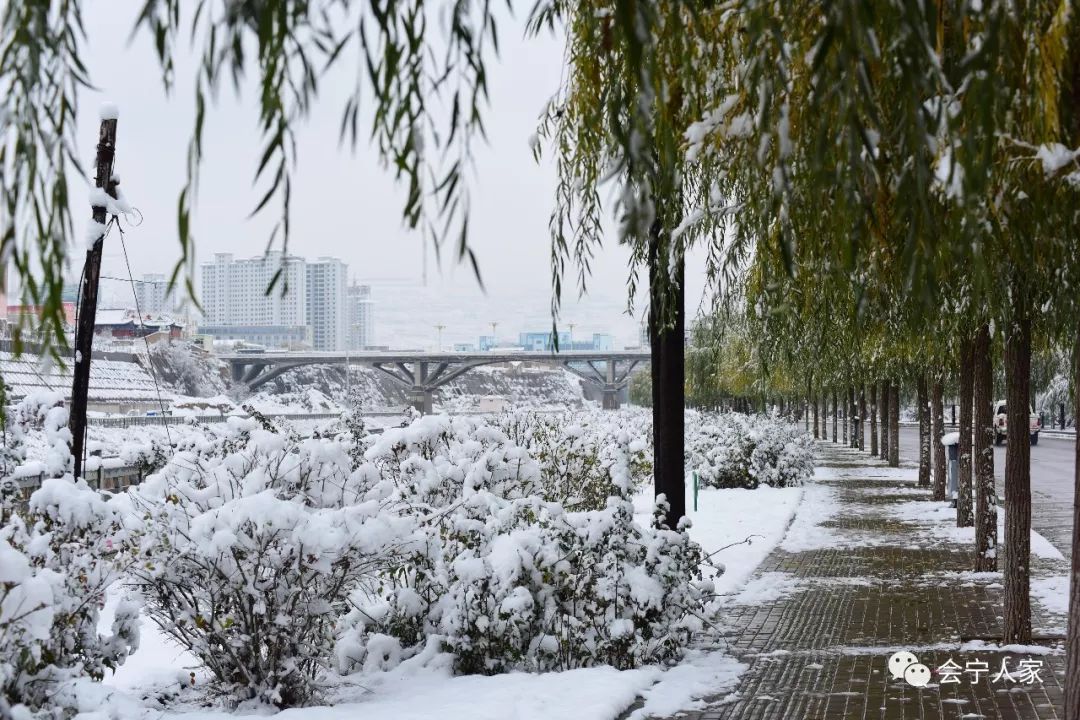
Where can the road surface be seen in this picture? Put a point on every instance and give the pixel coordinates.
(1052, 462)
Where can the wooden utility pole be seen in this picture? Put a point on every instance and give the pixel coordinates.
(84, 330)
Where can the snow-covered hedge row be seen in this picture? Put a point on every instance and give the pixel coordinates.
(575, 452)
(275, 558)
(733, 450)
(511, 581)
(58, 554)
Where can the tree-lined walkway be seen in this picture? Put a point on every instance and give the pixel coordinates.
(863, 580)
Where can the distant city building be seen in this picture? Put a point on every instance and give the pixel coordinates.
(69, 291)
(153, 294)
(327, 314)
(122, 323)
(271, 336)
(31, 314)
(603, 342)
(361, 317)
(542, 341)
(486, 342)
(235, 295)
(464, 347)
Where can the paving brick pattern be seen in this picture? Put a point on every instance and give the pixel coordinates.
(822, 652)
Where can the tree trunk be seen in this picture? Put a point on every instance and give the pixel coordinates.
(924, 431)
(835, 410)
(894, 425)
(824, 406)
(806, 406)
(862, 417)
(938, 417)
(873, 421)
(964, 515)
(668, 387)
(986, 534)
(883, 407)
(1072, 645)
(853, 413)
(846, 416)
(814, 403)
(1018, 471)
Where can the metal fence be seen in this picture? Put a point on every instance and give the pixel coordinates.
(114, 478)
(142, 420)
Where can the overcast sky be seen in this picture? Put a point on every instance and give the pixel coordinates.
(344, 204)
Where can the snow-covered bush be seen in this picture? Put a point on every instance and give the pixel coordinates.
(733, 450)
(511, 581)
(250, 543)
(1057, 393)
(58, 554)
(275, 559)
(576, 451)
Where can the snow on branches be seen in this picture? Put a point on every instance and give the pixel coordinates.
(734, 450)
(59, 553)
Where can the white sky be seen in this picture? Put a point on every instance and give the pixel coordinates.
(343, 204)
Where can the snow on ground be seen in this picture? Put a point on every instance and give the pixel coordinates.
(867, 472)
(415, 691)
(819, 505)
(729, 516)
(938, 521)
(1052, 593)
(159, 662)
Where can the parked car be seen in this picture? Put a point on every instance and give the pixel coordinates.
(1001, 424)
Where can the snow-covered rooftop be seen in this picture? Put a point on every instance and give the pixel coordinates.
(110, 380)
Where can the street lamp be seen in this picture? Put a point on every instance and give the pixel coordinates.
(571, 336)
(440, 328)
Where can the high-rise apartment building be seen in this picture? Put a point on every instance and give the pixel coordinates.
(153, 295)
(327, 314)
(361, 317)
(236, 294)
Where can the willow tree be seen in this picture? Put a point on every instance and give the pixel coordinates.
(635, 79)
(930, 128)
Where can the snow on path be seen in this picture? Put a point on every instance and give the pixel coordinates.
(938, 521)
(935, 521)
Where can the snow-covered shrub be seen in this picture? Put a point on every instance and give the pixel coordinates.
(576, 451)
(730, 450)
(511, 581)
(249, 545)
(58, 554)
(274, 558)
(1057, 393)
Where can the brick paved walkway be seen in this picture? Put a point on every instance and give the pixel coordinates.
(877, 584)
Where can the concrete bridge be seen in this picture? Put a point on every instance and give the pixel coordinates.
(421, 373)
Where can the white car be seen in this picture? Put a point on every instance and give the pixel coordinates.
(1001, 423)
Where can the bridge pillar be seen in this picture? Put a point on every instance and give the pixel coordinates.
(610, 397)
(422, 398)
(610, 389)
